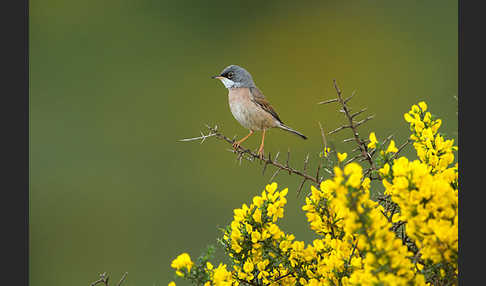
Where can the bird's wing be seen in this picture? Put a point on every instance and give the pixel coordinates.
(259, 99)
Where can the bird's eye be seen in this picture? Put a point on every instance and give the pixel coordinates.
(230, 74)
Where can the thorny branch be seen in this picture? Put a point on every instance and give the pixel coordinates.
(243, 153)
(365, 154)
(353, 125)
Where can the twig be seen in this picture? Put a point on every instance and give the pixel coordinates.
(274, 174)
(401, 148)
(323, 135)
(328, 101)
(202, 137)
(282, 277)
(247, 282)
(352, 254)
(359, 112)
(305, 179)
(266, 163)
(105, 278)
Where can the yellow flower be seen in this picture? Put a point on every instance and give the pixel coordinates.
(276, 233)
(248, 266)
(354, 171)
(222, 276)
(326, 151)
(342, 156)
(248, 228)
(400, 182)
(415, 109)
(366, 183)
(236, 247)
(262, 264)
(257, 201)
(271, 188)
(436, 125)
(408, 118)
(422, 106)
(373, 140)
(392, 148)
(385, 170)
(171, 283)
(255, 236)
(182, 261)
(257, 216)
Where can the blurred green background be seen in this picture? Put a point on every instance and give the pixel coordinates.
(115, 84)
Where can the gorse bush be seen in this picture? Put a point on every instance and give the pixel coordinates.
(407, 236)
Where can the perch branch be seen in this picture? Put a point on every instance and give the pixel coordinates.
(252, 156)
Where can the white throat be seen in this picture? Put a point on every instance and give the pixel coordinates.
(228, 83)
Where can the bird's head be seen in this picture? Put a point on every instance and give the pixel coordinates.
(234, 76)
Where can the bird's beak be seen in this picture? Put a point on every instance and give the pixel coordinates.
(217, 76)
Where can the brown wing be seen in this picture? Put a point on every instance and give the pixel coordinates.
(259, 99)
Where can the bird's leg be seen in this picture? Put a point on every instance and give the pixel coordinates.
(260, 150)
(237, 143)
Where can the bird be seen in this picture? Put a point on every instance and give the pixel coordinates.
(249, 106)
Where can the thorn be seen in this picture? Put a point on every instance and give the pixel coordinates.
(347, 99)
(318, 169)
(356, 149)
(339, 129)
(359, 112)
(336, 87)
(306, 161)
(122, 279)
(364, 120)
(301, 185)
(274, 174)
(266, 163)
(328, 101)
(288, 158)
(348, 140)
(203, 138)
(323, 135)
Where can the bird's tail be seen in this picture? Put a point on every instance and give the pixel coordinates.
(284, 127)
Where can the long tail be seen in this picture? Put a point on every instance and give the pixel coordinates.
(284, 127)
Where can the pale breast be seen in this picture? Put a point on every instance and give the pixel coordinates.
(246, 112)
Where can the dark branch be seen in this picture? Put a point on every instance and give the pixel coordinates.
(252, 156)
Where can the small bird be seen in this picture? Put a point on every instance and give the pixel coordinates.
(248, 105)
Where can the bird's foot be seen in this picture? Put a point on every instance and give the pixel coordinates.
(236, 145)
(261, 154)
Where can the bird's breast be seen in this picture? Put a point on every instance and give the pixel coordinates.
(246, 112)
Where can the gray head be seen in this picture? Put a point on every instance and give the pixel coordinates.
(235, 76)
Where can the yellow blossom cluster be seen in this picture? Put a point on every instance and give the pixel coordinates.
(254, 239)
(219, 276)
(182, 264)
(431, 147)
(369, 252)
(426, 191)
